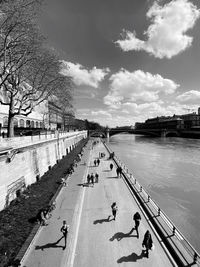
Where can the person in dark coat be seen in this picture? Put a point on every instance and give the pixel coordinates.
(92, 179)
(147, 242)
(136, 218)
(111, 166)
(88, 178)
(96, 177)
(114, 210)
(98, 162)
(117, 171)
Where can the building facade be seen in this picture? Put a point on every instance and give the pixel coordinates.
(189, 121)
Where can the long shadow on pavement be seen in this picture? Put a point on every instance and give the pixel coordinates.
(84, 184)
(50, 245)
(132, 257)
(121, 235)
(102, 220)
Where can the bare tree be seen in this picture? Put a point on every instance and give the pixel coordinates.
(29, 70)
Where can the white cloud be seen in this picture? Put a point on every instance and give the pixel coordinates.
(166, 36)
(189, 97)
(101, 113)
(82, 76)
(137, 86)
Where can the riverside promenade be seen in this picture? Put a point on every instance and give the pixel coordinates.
(93, 240)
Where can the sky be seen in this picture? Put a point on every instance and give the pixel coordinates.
(130, 60)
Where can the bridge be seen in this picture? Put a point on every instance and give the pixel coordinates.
(151, 132)
(94, 238)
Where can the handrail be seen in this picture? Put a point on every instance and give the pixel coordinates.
(146, 198)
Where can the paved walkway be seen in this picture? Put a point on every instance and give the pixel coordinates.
(93, 239)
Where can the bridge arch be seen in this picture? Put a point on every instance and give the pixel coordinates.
(97, 134)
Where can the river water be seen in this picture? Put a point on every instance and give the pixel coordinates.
(169, 170)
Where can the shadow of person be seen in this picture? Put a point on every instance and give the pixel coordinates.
(102, 220)
(84, 184)
(132, 257)
(50, 245)
(120, 235)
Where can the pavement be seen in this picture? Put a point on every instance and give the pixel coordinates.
(95, 240)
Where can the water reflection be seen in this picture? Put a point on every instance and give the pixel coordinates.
(169, 168)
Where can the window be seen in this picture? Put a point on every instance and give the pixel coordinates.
(28, 124)
(32, 124)
(5, 121)
(15, 122)
(21, 123)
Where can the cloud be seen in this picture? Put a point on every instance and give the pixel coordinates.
(82, 76)
(166, 36)
(189, 97)
(137, 86)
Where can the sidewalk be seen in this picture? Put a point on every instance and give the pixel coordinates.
(93, 239)
(44, 251)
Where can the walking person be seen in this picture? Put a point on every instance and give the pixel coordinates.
(41, 217)
(88, 178)
(147, 242)
(117, 171)
(111, 166)
(136, 218)
(98, 162)
(95, 162)
(64, 229)
(92, 179)
(96, 177)
(114, 210)
(120, 172)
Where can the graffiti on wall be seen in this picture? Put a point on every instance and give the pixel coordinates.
(14, 188)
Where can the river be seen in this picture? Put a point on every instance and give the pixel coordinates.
(169, 170)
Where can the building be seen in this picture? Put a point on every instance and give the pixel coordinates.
(189, 121)
(22, 123)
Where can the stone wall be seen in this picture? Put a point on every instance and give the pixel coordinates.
(30, 163)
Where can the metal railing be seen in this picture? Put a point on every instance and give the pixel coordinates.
(17, 142)
(179, 243)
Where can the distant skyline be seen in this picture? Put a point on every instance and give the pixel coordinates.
(130, 60)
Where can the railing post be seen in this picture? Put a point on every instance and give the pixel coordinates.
(158, 211)
(174, 230)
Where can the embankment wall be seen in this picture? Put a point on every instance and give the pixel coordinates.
(30, 163)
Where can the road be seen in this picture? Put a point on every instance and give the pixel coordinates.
(93, 239)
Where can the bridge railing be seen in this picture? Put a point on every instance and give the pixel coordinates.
(181, 247)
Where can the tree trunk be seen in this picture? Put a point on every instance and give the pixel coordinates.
(11, 119)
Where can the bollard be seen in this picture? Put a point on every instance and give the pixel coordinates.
(135, 181)
(140, 188)
(158, 211)
(148, 198)
(174, 230)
